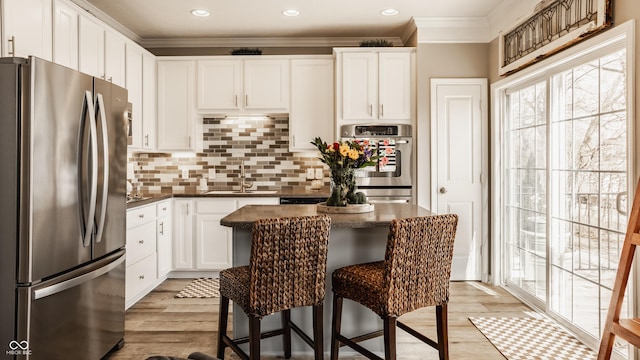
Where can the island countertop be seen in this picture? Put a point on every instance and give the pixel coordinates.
(381, 216)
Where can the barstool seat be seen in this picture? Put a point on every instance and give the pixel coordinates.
(414, 274)
(287, 269)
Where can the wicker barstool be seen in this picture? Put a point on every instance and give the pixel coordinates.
(287, 269)
(414, 274)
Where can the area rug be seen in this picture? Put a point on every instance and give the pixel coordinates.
(201, 288)
(532, 339)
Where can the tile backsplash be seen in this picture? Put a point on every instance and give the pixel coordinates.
(261, 142)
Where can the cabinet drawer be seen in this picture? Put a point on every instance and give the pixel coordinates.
(164, 208)
(141, 242)
(217, 206)
(140, 276)
(139, 216)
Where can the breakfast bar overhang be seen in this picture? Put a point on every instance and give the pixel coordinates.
(354, 239)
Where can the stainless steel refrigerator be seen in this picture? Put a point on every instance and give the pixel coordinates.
(63, 153)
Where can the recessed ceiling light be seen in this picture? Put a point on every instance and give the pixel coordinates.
(389, 12)
(290, 12)
(199, 12)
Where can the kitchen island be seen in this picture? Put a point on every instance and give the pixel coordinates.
(354, 238)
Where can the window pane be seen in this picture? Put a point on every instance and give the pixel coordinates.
(585, 89)
(612, 82)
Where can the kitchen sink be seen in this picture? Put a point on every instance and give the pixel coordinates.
(256, 192)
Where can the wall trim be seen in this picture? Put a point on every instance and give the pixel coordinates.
(263, 41)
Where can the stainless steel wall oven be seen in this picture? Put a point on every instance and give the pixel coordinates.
(390, 180)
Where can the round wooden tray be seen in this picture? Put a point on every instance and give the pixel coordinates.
(349, 209)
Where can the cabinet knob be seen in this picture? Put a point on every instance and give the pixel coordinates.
(443, 190)
(141, 216)
(164, 208)
(141, 242)
(141, 277)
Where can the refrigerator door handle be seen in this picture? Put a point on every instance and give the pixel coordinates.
(100, 111)
(73, 282)
(87, 218)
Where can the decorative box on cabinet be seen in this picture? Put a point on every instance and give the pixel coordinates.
(232, 84)
(375, 84)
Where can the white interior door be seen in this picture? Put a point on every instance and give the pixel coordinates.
(459, 166)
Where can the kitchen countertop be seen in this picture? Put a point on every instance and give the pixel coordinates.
(381, 215)
(151, 198)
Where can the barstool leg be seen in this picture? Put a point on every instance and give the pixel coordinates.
(335, 326)
(254, 338)
(286, 337)
(389, 338)
(443, 332)
(222, 324)
(318, 346)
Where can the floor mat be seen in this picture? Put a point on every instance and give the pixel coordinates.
(532, 339)
(201, 288)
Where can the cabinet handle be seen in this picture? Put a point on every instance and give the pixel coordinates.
(162, 228)
(189, 140)
(110, 79)
(235, 100)
(140, 242)
(246, 100)
(13, 46)
(164, 208)
(187, 209)
(293, 140)
(141, 216)
(141, 277)
(103, 77)
(146, 140)
(371, 109)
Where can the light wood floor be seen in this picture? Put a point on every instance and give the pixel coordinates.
(160, 324)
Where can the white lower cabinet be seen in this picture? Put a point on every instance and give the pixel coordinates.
(200, 242)
(148, 247)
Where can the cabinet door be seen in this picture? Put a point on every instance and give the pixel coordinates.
(213, 243)
(65, 34)
(134, 87)
(219, 84)
(175, 105)
(311, 103)
(149, 100)
(91, 47)
(266, 84)
(359, 86)
(394, 77)
(183, 235)
(27, 28)
(114, 61)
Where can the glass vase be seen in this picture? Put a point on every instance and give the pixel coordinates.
(343, 186)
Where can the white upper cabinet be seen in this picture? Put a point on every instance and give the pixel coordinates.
(23, 35)
(134, 88)
(266, 84)
(91, 47)
(114, 60)
(149, 100)
(219, 84)
(176, 105)
(375, 85)
(65, 34)
(311, 102)
(243, 84)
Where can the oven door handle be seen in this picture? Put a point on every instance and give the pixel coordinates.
(394, 201)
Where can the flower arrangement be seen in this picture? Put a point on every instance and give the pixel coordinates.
(343, 157)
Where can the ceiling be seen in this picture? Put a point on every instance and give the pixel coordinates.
(156, 20)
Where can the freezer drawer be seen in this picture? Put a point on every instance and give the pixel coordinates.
(79, 317)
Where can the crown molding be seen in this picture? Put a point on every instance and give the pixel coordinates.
(263, 42)
(102, 16)
(452, 29)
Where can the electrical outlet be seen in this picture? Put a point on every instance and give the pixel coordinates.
(310, 174)
(185, 174)
(212, 173)
(319, 174)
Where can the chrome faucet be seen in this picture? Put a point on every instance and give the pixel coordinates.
(244, 185)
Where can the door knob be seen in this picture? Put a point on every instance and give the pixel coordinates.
(443, 190)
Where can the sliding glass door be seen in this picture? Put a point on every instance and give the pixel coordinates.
(565, 176)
